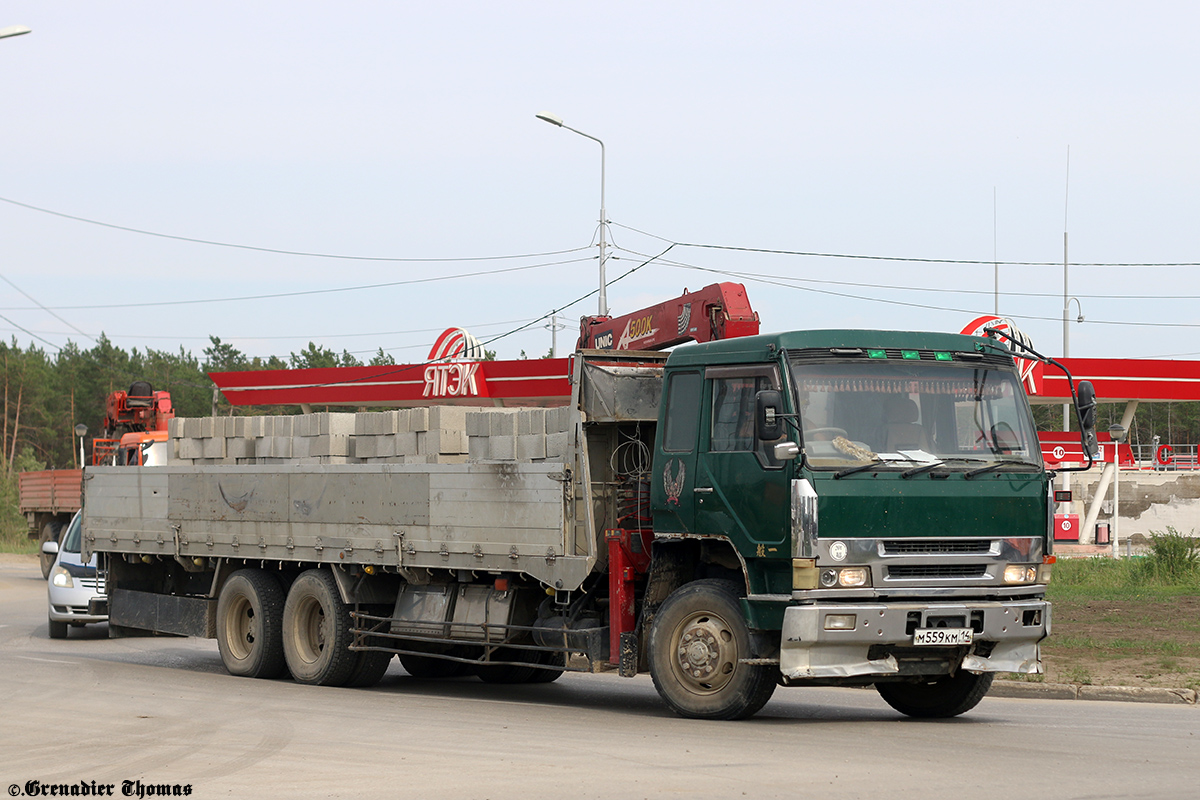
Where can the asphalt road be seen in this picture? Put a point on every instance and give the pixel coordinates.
(164, 712)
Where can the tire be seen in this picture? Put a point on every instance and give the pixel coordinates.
(508, 673)
(51, 532)
(369, 669)
(250, 625)
(316, 631)
(430, 667)
(370, 665)
(555, 662)
(945, 697)
(58, 630)
(697, 640)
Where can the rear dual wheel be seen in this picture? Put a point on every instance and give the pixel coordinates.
(317, 632)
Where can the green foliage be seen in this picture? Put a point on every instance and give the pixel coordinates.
(382, 359)
(319, 356)
(14, 537)
(1173, 558)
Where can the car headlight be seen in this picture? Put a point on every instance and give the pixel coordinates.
(61, 578)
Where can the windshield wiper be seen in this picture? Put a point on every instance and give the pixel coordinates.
(908, 473)
(859, 468)
(998, 465)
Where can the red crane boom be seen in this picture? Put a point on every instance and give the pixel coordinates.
(719, 311)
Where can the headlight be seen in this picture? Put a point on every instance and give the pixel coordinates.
(61, 578)
(1020, 573)
(846, 577)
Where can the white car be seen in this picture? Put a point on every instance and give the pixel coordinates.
(73, 585)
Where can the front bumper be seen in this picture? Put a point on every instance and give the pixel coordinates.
(1006, 639)
(73, 606)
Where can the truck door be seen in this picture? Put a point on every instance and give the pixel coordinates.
(741, 489)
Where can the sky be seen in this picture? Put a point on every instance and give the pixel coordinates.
(403, 134)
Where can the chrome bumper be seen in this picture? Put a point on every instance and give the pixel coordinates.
(1012, 629)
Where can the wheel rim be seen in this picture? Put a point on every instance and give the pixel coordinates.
(706, 653)
(240, 628)
(310, 630)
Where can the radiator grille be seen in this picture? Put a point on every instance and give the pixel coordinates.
(912, 571)
(898, 547)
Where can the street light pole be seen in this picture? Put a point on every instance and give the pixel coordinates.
(553, 119)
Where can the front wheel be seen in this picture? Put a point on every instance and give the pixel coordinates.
(944, 697)
(697, 642)
(58, 630)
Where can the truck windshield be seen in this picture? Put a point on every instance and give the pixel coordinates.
(903, 414)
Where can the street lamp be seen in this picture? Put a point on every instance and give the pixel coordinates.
(1118, 434)
(14, 30)
(81, 431)
(554, 119)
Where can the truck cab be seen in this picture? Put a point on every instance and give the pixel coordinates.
(880, 494)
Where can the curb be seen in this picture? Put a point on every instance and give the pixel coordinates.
(1069, 691)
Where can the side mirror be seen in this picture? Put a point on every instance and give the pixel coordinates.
(1086, 408)
(768, 422)
(50, 547)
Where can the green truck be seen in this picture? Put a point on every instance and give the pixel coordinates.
(838, 507)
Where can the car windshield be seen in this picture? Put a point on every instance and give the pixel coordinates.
(71, 539)
(907, 413)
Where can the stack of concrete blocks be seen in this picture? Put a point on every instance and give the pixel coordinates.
(435, 435)
(325, 438)
(525, 434)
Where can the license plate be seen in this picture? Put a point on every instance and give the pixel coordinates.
(942, 636)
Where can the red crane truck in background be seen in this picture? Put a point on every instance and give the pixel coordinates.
(132, 432)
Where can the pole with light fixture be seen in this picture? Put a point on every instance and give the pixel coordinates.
(81, 431)
(554, 119)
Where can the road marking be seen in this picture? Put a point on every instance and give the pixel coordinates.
(48, 660)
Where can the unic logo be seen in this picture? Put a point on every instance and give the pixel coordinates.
(604, 341)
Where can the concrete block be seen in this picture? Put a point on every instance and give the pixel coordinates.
(213, 448)
(281, 447)
(503, 448)
(175, 428)
(364, 446)
(385, 446)
(405, 443)
(191, 448)
(254, 429)
(531, 421)
(338, 460)
(436, 441)
(279, 462)
(301, 446)
(448, 418)
(284, 426)
(239, 448)
(207, 425)
(478, 423)
(503, 422)
(448, 458)
(331, 423)
(418, 419)
(478, 448)
(558, 445)
(531, 447)
(331, 446)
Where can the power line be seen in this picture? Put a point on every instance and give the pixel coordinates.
(861, 257)
(413, 281)
(278, 250)
(923, 306)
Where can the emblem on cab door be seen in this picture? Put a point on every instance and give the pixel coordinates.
(674, 485)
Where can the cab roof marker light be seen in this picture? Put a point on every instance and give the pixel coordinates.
(943, 356)
(910, 355)
(877, 354)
